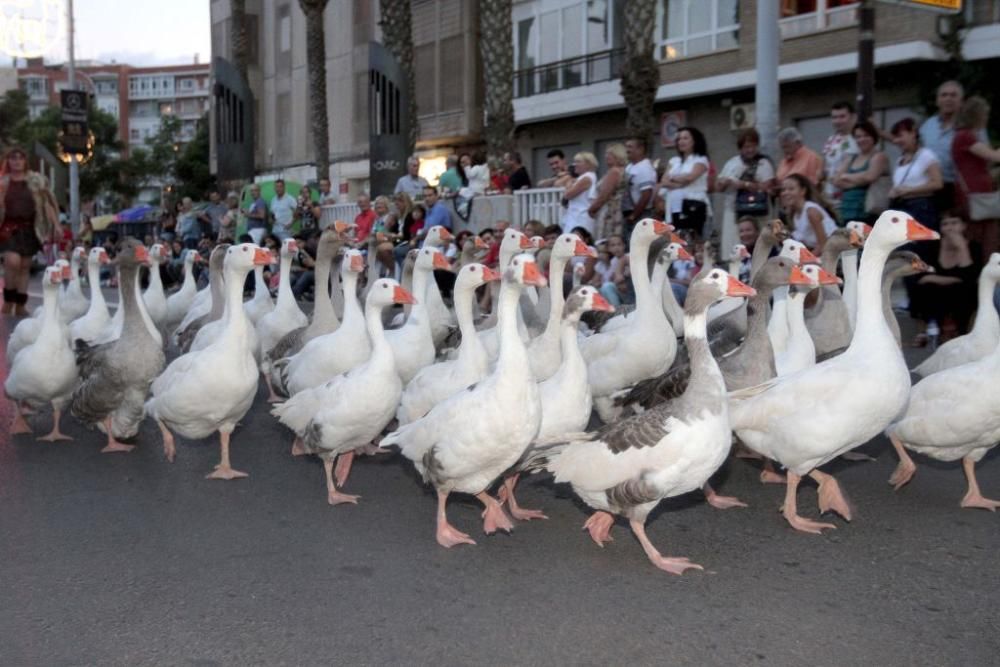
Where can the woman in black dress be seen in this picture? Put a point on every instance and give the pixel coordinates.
(27, 219)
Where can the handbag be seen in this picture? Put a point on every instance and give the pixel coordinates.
(982, 205)
(749, 202)
(877, 196)
(693, 215)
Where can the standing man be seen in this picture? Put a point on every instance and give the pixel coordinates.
(437, 214)
(412, 183)
(838, 147)
(256, 216)
(215, 210)
(365, 220)
(326, 196)
(283, 207)
(561, 177)
(450, 182)
(640, 182)
(937, 133)
(518, 178)
(188, 226)
(798, 159)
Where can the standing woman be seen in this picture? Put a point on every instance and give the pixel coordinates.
(859, 171)
(811, 223)
(916, 177)
(610, 190)
(972, 157)
(28, 216)
(686, 181)
(580, 194)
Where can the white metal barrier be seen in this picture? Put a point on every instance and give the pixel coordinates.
(346, 211)
(544, 204)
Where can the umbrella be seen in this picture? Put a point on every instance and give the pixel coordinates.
(134, 214)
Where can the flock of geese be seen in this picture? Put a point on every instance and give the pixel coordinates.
(800, 369)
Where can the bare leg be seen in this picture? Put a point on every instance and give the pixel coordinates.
(447, 535)
(905, 470)
(791, 511)
(769, 475)
(113, 445)
(20, 425)
(721, 502)
(599, 526)
(494, 517)
(333, 496)
(298, 448)
(831, 498)
(672, 565)
(169, 447)
(55, 434)
(973, 498)
(507, 496)
(224, 470)
(344, 462)
(271, 396)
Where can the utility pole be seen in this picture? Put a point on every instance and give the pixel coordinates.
(866, 59)
(74, 165)
(766, 92)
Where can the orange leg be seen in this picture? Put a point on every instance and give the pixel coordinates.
(906, 469)
(113, 444)
(506, 495)
(973, 498)
(790, 510)
(447, 535)
(333, 496)
(224, 470)
(671, 565)
(55, 434)
(494, 518)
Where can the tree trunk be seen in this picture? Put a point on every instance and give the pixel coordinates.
(640, 74)
(238, 37)
(496, 47)
(397, 36)
(316, 65)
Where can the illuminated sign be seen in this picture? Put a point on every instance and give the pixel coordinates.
(29, 28)
(944, 6)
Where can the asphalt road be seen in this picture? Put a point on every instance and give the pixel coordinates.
(124, 559)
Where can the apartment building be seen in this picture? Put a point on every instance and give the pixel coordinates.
(448, 89)
(567, 58)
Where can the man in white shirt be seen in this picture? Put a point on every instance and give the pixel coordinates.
(283, 207)
(640, 177)
(412, 183)
(838, 147)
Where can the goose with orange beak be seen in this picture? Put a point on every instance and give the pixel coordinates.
(800, 352)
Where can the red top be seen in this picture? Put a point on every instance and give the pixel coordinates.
(973, 172)
(364, 221)
(493, 256)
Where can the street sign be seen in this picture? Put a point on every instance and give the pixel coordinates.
(74, 122)
(939, 6)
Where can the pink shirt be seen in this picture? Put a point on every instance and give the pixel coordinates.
(364, 222)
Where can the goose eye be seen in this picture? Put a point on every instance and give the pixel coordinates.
(473, 269)
(895, 219)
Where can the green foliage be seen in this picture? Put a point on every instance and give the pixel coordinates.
(191, 166)
(13, 117)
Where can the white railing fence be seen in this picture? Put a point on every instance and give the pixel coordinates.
(543, 204)
(346, 211)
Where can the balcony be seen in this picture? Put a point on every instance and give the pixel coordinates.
(570, 73)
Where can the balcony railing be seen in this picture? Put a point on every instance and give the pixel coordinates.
(569, 73)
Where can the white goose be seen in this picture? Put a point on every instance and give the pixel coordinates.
(619, 359)
(442, 318)
(800, 352)
(808, 418)
(777, 326)
(466, 442)
(849, 262)
(544, 351)
(662, 292)
(437, 382)
(45, 371)
(181, 301)
(828, 319)
(212, 389)
(72, 303)
(356, 406)
(154, 297)
(285, 317)
(262, 303)
(985, 332)
(27, 330)
(198, 316)
(413, 344)
(512, 243)
(97, 317)
(334, 353)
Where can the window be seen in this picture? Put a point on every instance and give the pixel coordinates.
(694, 27)
(801, 17)
(283, 116)
(452, 87)
(133, 135)
(423, 74)
(283, 39)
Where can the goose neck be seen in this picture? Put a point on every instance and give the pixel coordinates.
(639, 260)
(217, 292)
(234, 315)
(352, 309)
(376, 332)
(127, 293)
(285, 280)
(511, 348)
(421, 279)
(557, 300)
(323, 306)
(987, 318)
(50, 305)
(870, 322)
(94, 278)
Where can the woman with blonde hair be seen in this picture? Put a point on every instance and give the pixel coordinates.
(28, 219)
(973, 157)
(606, 208)
(580, 194)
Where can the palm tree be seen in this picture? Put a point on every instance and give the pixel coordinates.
(640, 73)
(397, 35)
(496, 47)
(238, 36)
(316, 65)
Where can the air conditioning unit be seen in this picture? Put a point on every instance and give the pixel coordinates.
(742, 116)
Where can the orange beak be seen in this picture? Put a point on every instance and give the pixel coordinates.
(581, 249)
(261, 257)
(867, 229)
(660, 228)
(855, 239)
(400, 295)
(445, 234)
(481, 244)
(340, 226)
(679, 240)
(490, 275)
(828, 278)
(67, 273)
(684, 254)
(798, 277)
(141, 254)
(357, 263)
(54, 277)
(737, 288)
(532, 276)
(917, 232)
(103, 257)
(600, 303)
(806, 257)
(441, 262)
(526, 243)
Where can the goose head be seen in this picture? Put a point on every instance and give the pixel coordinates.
(513, 242)
(839, 240)
(341, 229)
(906, 263)
(647, 230)
(797, 252)
(473, 275)
(98, 256)
(243, 257)
(523, 270)
(894, 228)
(53, 277)
(330, 243)
(537, 243)
(776, 272)
(64, 269)
(583, 299)
(992, 267)
(810, 276)
(711, 286)
(353, 262)
(438, 237)
(740, 252)
(79, 254)
(386, 292)
(429, 259)
(131, 252)
(673, 252)
(858, 232)
(289, 247)
(570, 245)
(217, 259)
(159, 253)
